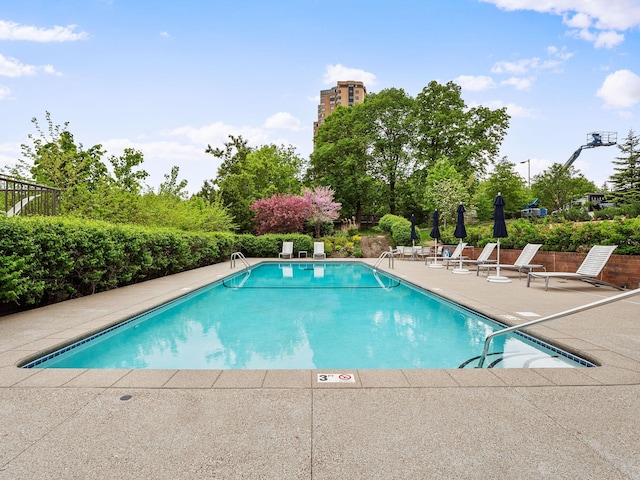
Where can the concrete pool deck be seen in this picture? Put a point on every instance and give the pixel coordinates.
(404, 424)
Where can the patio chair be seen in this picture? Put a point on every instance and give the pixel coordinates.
(318, 250)
(483, 258)
(588, 271)
(455, 256)
(522, 263)
(287, 250)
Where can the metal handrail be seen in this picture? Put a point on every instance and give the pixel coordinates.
(240, 256)
(383, 255)
(604, 301)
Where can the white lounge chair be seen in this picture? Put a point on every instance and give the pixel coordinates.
(287, 250)
(318, 250)
(483, 258)
(588, 271)
(455, 256)
(522, 263)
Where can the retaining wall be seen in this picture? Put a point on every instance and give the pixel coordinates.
(621, 270)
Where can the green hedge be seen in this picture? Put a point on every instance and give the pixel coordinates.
(399, 228)
(49, 259)
(559, 237)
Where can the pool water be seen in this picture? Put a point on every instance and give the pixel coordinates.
(305, 315)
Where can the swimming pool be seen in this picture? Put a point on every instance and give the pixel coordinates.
(305, 315)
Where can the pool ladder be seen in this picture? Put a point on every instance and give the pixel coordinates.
(384, 255)
(238, 256)
(588, 306)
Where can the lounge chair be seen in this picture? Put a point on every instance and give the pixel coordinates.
(455, 256)
(588, 271)
(522, 263)
(287, 250)
(318, 250)
(483, 258)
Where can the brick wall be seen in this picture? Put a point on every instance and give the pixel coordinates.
(621, 270)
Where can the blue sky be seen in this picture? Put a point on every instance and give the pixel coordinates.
(170, 77)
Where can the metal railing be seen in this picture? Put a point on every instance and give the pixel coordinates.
(238, 256)
(382, 256)
(604, 301)
(19, 197)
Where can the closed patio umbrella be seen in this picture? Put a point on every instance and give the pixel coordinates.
(460, 232)
(499, 231)
(435, 234)
(414, 236)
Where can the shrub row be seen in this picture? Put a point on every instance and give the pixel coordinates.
(559, 237)
(50, 259)
(399, 228)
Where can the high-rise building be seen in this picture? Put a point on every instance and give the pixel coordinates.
(344, 93)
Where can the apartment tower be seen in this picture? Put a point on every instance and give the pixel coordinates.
(344, 93)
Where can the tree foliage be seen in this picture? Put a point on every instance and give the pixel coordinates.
(112, 189)
(506, 181)
(340, 159)
(281, 213)
(557, 186)
(247, 174)
(323, 208)
(625, 182)
(384, 149)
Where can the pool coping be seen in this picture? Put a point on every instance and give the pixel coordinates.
(110, 308)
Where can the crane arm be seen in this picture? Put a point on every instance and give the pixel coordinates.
(573, 157)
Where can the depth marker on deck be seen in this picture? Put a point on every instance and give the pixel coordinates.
(336, 378)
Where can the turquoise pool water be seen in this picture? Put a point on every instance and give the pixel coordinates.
(306, 315)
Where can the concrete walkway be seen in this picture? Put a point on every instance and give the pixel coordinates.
(408, 424)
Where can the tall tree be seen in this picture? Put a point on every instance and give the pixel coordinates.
(389, 131)
(469, 137)
(247, 175)
(56, 160)
(445, 190)
(625, 181)
(557, 186)
(340, 160)
(124, 167)
(506, 181)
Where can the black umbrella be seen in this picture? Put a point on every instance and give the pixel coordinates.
(414, 233)
(435, 234)
(435, 231)
(499, 225)
(499, 231)
(460, 232)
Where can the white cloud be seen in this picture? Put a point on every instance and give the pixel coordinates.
(282, 120)
(474, 83)
(165, 34)
(515, 111)
(11, 67)
(608, 39)
(15, 31)
(559, 53)
(620, 89)
(5, 92)
(606, 18)
(518, 83)
(339, 72)
(217, 133)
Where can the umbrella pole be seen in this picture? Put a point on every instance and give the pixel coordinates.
(498, 267)
(461, 270)
(497, 278)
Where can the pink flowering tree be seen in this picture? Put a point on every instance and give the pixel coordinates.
(281, 213)
(323, 208)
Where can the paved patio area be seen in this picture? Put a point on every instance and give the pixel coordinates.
(405, 424)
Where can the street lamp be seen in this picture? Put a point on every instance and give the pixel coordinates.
(528, 162)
